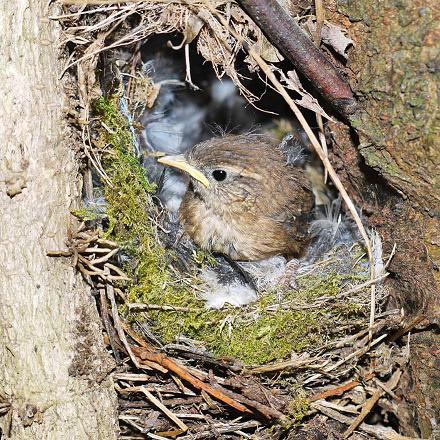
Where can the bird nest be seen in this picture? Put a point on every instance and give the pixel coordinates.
(325, 349)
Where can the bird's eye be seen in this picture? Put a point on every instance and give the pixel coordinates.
(219, 175)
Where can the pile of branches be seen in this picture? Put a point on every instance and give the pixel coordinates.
(178, 391)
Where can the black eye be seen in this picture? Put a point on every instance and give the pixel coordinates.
(219, 175)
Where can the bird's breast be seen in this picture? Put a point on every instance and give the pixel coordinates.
(240, 235)
(213, 230)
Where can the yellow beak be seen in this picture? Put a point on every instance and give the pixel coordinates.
(180, 163)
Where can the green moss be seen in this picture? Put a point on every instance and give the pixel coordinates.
(204, 258)
(280, 325)
(130, 208)
(85, 214)
(298, 408)
(277, 325)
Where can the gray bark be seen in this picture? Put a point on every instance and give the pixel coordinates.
(54, 371)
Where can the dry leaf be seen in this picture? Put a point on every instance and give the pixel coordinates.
(268, 52)
(332, 36)
(193, 27)
(292, 82)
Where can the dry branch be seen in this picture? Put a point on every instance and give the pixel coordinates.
(284, 33)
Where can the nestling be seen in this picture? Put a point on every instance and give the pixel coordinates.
(249, 198)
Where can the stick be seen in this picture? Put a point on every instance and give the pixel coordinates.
(118, 325)
(369, 404)
(320, 17)
(284, 33)
(341, 389)
(110, 331)
(169, 364)
(162, 407)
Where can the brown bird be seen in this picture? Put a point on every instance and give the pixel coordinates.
(247, 198)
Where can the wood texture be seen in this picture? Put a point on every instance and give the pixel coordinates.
(390, 163)
(53, 366)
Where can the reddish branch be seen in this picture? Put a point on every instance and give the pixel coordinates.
(341, 389)
(169, 364)
(284, 33)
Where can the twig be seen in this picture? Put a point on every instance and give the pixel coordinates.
(341, 389)
(268, 412)
(118, 325)
(221, 429)
(162, 407)
(362, 286)
(287, 365)
(188, 78)
(320, 17)
(284, 33)
(107, 325)
(156, 437)
(343, 409)
(180, 370)
(369, 404)
(138, 307)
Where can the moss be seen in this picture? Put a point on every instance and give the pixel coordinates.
(298, 408)
(277, 325)
(260, 333)
(204, 258)
(130, 208)
(271, 331)
(85, 214)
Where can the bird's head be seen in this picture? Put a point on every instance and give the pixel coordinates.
(231, 169)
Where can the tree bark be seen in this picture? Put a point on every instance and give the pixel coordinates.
(54, 371)
(390, 163)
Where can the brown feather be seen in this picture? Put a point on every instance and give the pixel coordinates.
(258, 211)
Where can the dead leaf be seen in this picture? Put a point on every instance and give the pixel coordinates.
(332, 36)
(292, 82)
(268, 52)
(193, 27)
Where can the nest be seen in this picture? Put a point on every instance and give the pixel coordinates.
(326, 350)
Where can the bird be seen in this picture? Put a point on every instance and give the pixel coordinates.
(249, 196)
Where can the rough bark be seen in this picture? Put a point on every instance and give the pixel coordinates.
(53, 366)
(390, 162)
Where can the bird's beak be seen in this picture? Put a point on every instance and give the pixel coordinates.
(181, 163)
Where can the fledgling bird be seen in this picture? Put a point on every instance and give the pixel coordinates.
(249, 197)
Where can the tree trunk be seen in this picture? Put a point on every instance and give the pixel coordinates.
(390, 162)
(54, 372)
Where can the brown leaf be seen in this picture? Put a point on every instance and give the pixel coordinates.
(332, 36)
(193, 27)
(292, 82)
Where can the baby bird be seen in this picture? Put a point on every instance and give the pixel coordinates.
(249, 197)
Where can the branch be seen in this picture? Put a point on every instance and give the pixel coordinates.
(284, 33)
